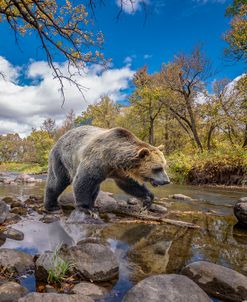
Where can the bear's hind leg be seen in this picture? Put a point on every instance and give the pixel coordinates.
(57, 182)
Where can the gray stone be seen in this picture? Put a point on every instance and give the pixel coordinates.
(158, 209)
(217, 280)
(95, 262)
(90, 289)
(133, 201)
(166, 288)
(16, 261)
(240, 211)
(53, 297)
(11, 292)
(180, 197)
(12, 233)
(49, 218)
(243, 199)
(4, 211)
(104, 202)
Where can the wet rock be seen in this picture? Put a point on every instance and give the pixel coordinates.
(218, 281)
(19, 210)
(8, 181)
(79, 217)
(239, 233)
(4, 211)
(166, 288)
(12, 218)
(133, 201)
(11, 292)
(180, 197)
(34, 200)
(16, 261)
(53, 297)
(104, 202)
(90, 290)
(9, 200)
(12, 233)
(240, 211)
(44, 263)
(24, 178)
(95, 262)
(243, 199)
(50, 289)
(47, 218)
(2, 239)
(158, 209)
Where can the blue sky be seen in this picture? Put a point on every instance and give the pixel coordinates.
(168, 27)
(29, 94)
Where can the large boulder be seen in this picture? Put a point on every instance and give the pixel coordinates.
(53, 297)
(11, 292)
(16, 261)
(218, 281)
(4, 211)
(104, 202)
(89, 289)
(166, 288)
(240, 211)
(95, 262)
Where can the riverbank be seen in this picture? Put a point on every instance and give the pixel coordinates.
(221, 168)
(28, 168)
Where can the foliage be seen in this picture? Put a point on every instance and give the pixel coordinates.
(62, 27)
(30, 168)
(237, 35)
(102, 114)
(60, 268)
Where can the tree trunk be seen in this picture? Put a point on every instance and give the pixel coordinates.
(193, 123)
(245, 137)
(210, 132)
(151, 132)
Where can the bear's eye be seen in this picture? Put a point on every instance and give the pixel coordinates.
(157, 170)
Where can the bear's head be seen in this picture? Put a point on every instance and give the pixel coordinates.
(152, 166)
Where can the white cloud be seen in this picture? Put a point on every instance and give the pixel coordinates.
(25, 106)
(131, 6)
(147, 56)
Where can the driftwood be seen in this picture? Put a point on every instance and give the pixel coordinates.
(152, 219)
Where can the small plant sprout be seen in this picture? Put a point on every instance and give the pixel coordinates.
(60, 268)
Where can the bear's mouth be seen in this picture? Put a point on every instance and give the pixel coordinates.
(154, 183)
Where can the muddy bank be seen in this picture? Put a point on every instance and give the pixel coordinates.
(212, 174)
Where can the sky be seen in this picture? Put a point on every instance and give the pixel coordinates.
(151, 34)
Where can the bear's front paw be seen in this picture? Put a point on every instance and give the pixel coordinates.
(147, 202)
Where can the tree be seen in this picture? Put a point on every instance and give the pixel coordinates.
(10, 147)
(38, 145)
(147, 100)
(49, 125)
(102, 114)
(184, 78)
(237, 35)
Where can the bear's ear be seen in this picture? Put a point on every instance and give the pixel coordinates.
(161, 147)
(142, 153)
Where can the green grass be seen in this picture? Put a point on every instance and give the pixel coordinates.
(60, 269)
(30, 168)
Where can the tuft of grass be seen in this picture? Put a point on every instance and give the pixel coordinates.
(60, 269)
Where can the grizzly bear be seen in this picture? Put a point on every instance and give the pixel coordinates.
(87, 155)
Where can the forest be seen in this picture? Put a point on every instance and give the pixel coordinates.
(201, 122)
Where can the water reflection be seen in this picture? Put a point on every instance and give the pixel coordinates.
(143, 249)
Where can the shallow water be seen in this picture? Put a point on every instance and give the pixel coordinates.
(144, 249)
